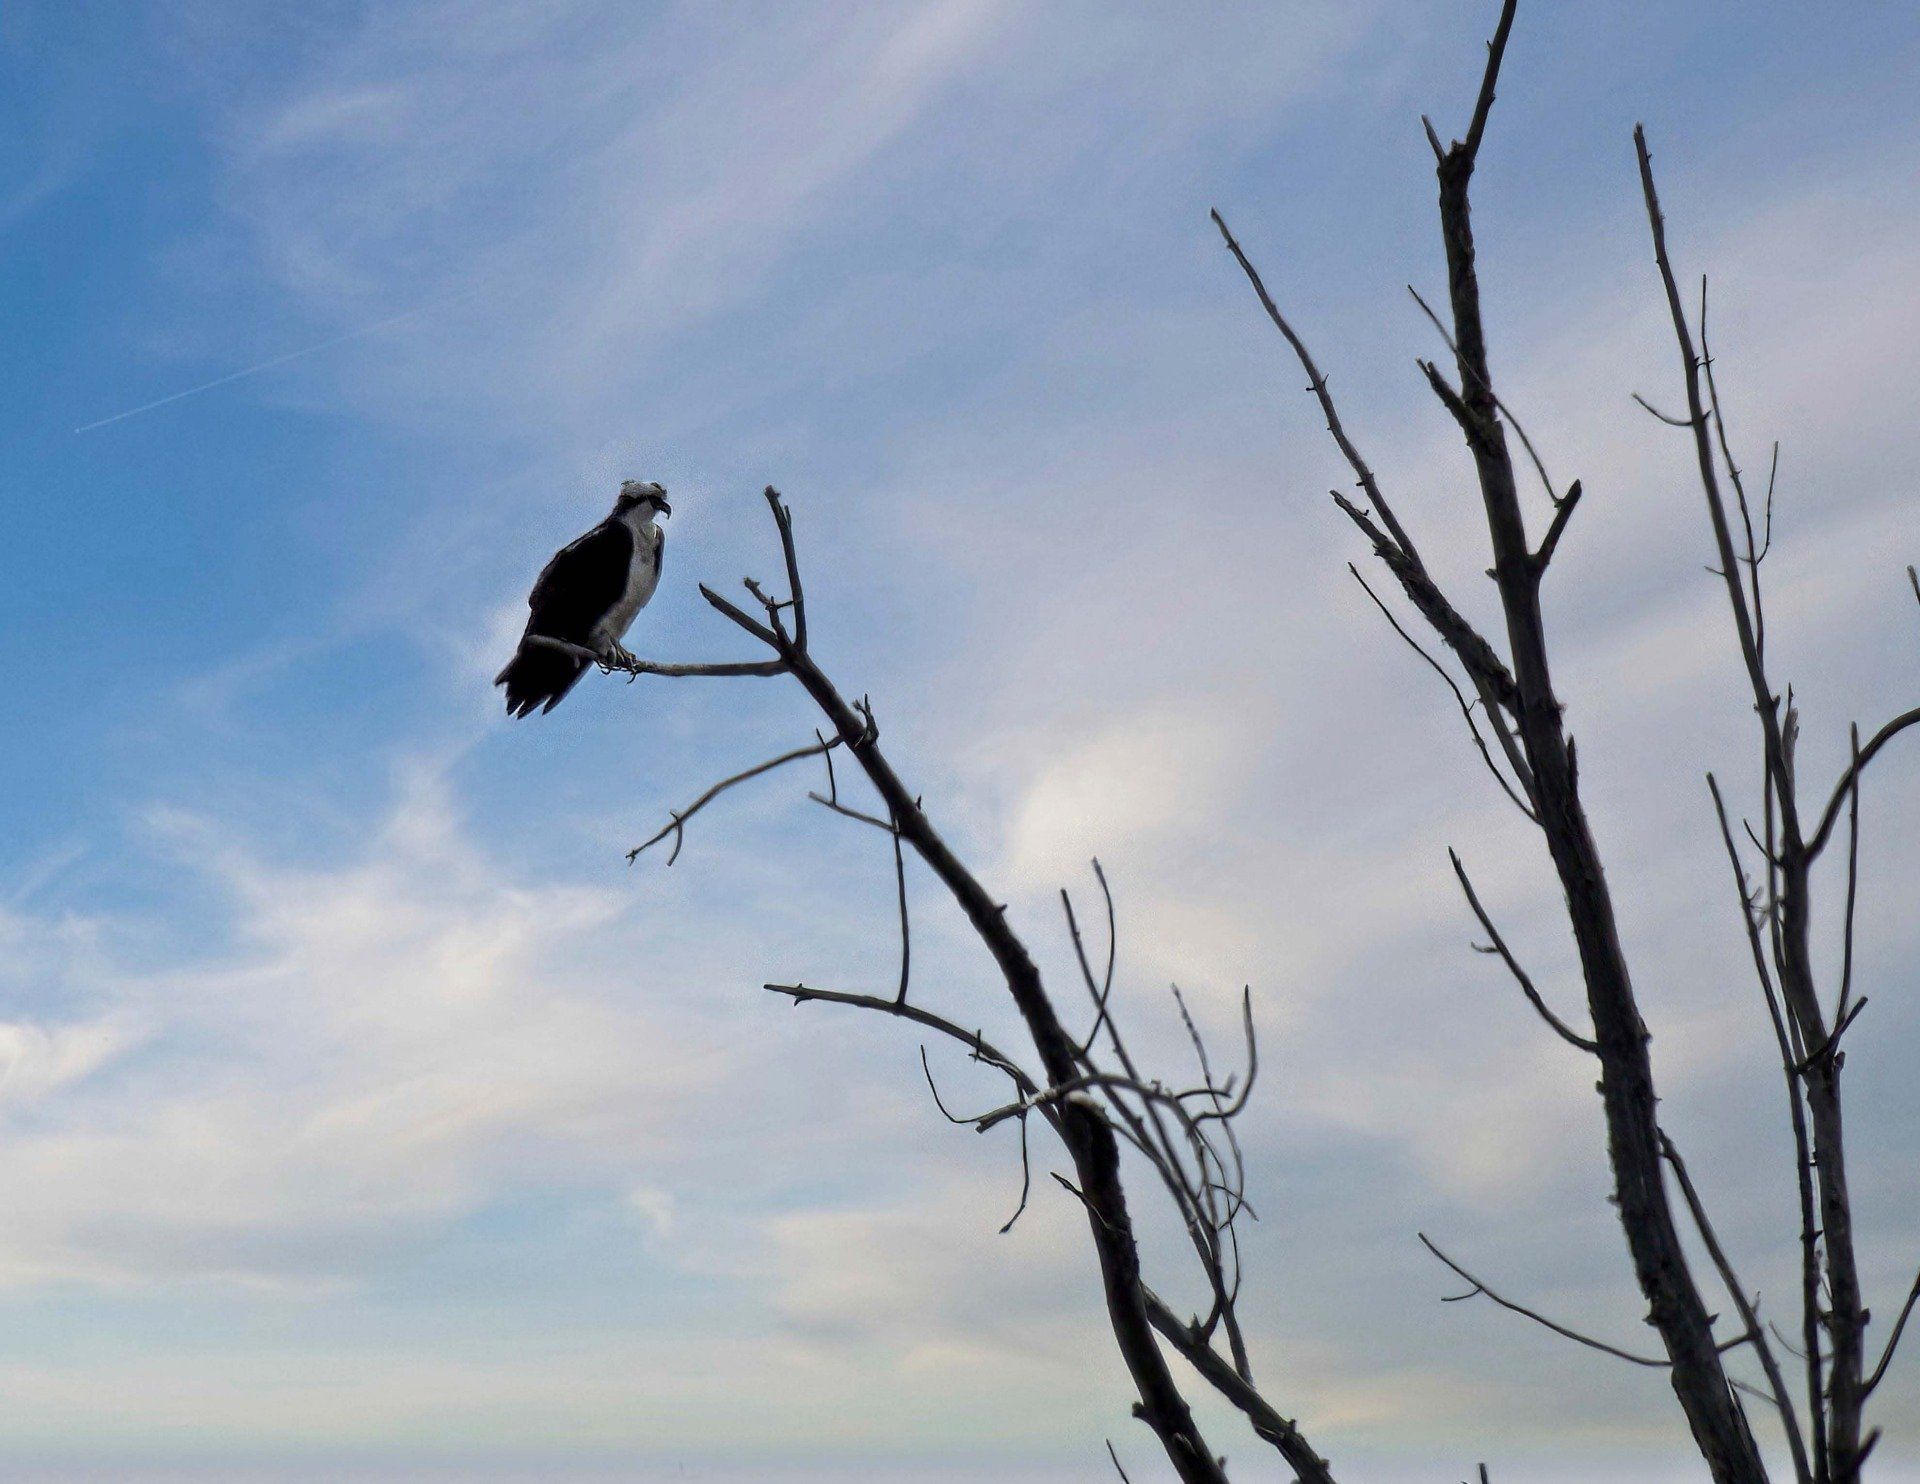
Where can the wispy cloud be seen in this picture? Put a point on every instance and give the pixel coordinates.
(382, 1046)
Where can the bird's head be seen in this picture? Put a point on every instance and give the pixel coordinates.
(642, 495)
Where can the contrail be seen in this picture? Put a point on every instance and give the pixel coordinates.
(255, 370)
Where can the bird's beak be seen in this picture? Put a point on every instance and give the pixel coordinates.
(665, 508)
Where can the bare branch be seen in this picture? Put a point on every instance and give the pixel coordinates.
(1828, 816)
(1562, 513)
(1539, 465)
(1450, 399)
(1840, 1016)
(1269, 1424)
(1782, 1402)
(1734, 477)
(1466, 711)
(1496, 49)
(1764, 702)
(1103, 991)
(783, 518)
(906, 927)
(1560, 1027)
(1026, 1181)
(926, 1070)
(1893, 1340)
(1317, 384)
(1480, 1290)
(1084, 1129)
(839, 808)
(723, 669)
(1485, 668)
(980, 1048)
(759, 630)
(1675, 422)
(1802, 1144)
(677, 823)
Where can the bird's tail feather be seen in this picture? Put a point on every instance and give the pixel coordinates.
(539, 677)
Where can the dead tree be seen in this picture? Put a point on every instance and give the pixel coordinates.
(1104, 1107)
(1534, 758)
(1088, 1088)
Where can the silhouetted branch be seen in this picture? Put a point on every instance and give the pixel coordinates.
(1483, 105)
(1893, 1340)
(977, 1045)
(1675, 422)
(1562, 513)
(1748, 1316)
(676, 824)
(1560, 1027)
(1485, 668)
(725, 669)
(906, 926)
(1844, 787)
(1803, 1154)
(1480, 1290)
(1466, 710)
(1268, 1423)
(1539, 465)
(1317, 384)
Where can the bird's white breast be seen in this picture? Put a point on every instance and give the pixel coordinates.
(643, 575)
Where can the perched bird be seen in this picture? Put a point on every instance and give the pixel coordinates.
(587, 597)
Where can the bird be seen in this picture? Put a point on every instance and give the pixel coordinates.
(586, 598)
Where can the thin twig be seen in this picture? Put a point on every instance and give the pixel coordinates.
(981, 1049)
(839, 808)
(1676, 422)
(1562, 513)
(1803, 1159)
(1102, 993)
(906, 927)
(1734, 477)
(1484, 667)
(1317, 384)
(1483, 105)
(1539, 467)
(1893, 1340)
(1865, 755)
(1480, 1290)
(1789, 1422)
(675, 826)
(1560, 1027)
(1026, 1180)
(1466, 711)
(1840, 1016)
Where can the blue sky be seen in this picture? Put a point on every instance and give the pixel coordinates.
(360, 1109)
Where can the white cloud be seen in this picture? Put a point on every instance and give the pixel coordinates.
(385, 1044)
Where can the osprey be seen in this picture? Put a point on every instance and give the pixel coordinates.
(587, 597)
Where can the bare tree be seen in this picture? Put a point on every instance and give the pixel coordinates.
(1536, 765)
(1089, 1088)
(1092, 1092)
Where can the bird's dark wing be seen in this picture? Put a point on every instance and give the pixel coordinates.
(573, 593)
(585, 578)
